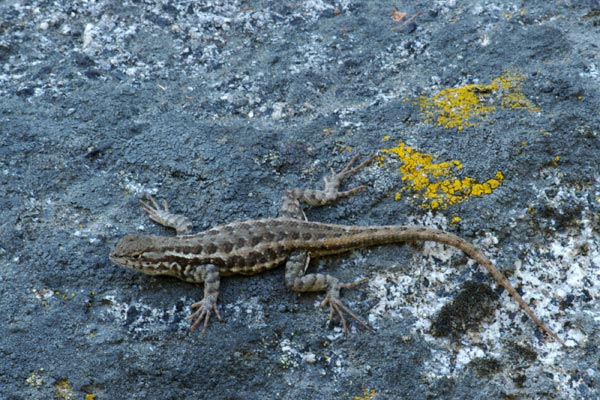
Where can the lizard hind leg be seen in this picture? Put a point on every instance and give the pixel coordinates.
(297, 281)
(336, 306)
(290, 204)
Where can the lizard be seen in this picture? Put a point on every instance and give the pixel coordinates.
(253, 246)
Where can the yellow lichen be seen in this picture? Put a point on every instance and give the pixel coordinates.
(466, 106)
(63, 390)
(345, 148)
(368, 394)
(555, 161)
(437, 184)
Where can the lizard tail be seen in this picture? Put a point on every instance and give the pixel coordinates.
(395, 234)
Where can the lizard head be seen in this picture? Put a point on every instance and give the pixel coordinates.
(132, 252)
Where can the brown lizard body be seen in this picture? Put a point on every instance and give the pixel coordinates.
(253, 246)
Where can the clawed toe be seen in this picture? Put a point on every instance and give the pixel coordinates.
(348, 170)
(164, 217)
(355, 283)
(337, 307)
(333, 181)
(154, 206)
(154, 211)
(205, 309)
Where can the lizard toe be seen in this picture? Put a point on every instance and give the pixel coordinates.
(337, 307)
(205, 308)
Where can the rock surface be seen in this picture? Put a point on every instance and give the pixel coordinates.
(488, 112)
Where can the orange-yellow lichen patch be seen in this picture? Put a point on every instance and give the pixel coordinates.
(437, 184)
(368, 394)
(63, 390)
(465, 106)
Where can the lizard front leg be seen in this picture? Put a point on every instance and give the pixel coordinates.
(209, 274)
(297, 281)
(162, 216)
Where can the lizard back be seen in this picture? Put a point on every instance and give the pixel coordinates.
(252, 246)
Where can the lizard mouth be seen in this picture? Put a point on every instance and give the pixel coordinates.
(115, 258)
(122, 261)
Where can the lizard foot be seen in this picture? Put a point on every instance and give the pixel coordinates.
(348, 170)
(337, 307)
(164, 217)
(205, 308)
(333, 181)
